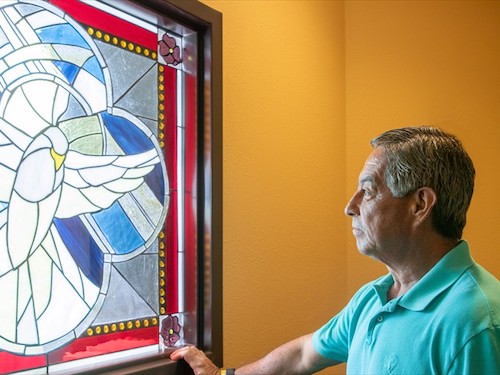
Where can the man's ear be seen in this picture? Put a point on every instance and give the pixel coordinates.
(424, 200)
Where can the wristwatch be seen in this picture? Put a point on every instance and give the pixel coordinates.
(227, 371)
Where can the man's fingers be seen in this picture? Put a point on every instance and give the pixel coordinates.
(198, 361)
(179, 353)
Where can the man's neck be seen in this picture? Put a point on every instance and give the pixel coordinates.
(420, 260)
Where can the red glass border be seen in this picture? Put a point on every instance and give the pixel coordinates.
(89, 15)
(11, 362)
(190, 234)
(171, 288)
(104, 344)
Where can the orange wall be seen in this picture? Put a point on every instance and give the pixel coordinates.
(307, 84)
(284, 171)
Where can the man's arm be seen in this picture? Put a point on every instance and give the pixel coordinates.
(295, 357)
(480, 355)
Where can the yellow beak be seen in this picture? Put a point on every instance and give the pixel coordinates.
(58, 159)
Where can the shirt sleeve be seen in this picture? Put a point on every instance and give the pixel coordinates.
(333, 340)
(480, 355)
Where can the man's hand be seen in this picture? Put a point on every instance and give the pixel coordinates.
(296, 357)
(198, 361)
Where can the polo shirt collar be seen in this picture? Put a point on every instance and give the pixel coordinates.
(439, 278)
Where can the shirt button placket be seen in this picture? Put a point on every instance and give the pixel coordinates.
(373, 323)
(371, 330)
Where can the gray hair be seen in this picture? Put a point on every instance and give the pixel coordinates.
(427, 156)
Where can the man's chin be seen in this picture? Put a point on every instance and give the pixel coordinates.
(364, 249)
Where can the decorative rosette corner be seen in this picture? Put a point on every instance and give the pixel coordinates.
(170, 330)
(169, 50)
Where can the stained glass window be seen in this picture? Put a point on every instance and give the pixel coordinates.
(99, 169)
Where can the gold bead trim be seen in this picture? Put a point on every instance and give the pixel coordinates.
(162, 274)
(161, 106)
(110, 39)
(121, 326)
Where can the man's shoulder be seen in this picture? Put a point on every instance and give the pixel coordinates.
(484, 279)
(482, 290)
(474, 300)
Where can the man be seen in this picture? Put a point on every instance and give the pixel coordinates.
(437, 311)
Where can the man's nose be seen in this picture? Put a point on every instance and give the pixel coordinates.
(352, 207)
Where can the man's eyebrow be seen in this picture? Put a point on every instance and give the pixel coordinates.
(367, 178)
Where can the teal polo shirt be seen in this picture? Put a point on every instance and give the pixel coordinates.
(447, 323)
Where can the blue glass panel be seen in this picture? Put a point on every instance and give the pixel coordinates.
(154, 180)
(82, 247)
(92, 66)
(130, 138)
(119, 231)
(69, 70)
(62, 34)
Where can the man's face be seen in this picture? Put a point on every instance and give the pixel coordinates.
(380, 222)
